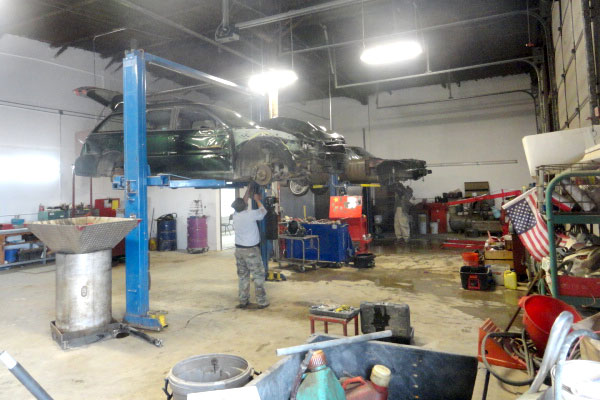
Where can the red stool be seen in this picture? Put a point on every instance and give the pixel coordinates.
(327, 320)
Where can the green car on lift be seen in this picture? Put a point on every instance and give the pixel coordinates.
(201, 141)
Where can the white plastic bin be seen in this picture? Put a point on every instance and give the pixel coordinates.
(498, 272)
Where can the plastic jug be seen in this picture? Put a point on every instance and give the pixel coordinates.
(320, 383)
(510, 279)
(375, 389)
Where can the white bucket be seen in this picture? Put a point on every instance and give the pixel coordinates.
(434, 228)
(498, 272)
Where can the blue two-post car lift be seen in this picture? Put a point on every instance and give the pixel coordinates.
(137, 179)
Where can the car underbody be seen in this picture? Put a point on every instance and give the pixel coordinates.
(199, 141)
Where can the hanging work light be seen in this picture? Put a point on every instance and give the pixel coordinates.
(391, 52)
(272, 79)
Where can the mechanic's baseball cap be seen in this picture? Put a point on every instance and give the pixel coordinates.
(238, 204)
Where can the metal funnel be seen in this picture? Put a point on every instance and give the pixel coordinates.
(83, 234)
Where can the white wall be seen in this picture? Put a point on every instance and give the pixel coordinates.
(38, 144)
(481, 129)
(36, 141)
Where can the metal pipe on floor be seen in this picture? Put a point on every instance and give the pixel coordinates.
(332, 343)
(24, 377)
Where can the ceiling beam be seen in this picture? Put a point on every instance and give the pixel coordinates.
(296, 13)
(184, 29)
(455, 24)
(64, 9)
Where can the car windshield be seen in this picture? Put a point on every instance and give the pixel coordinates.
(113, 123)
(231, 118)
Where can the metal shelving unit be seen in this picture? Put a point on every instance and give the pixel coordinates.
(571, 179)
(18, 232)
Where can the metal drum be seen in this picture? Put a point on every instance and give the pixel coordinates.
(83, 290)
(167, 232)
(197, 234)
(205, 373)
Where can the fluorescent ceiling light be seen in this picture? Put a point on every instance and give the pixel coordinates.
(272, 79)
(391, 53)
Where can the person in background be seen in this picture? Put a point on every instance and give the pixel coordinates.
(247, 249)
(401, 217)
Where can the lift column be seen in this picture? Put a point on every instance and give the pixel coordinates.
(136, 204)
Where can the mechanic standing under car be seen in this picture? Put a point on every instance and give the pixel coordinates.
(247, 249)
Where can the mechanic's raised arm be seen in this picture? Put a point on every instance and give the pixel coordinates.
(247, 194)
(261, 212)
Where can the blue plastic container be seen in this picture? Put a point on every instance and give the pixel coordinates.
(335, 242)
(167, 232)
(11, 255)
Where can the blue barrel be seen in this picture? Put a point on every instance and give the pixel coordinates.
(167, 232)
(11, 255)
(197, 241)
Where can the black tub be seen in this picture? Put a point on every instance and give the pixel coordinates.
(416, 373)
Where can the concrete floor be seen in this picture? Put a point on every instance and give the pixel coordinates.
(200, 294)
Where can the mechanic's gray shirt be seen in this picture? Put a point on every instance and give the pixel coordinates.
(245, 227)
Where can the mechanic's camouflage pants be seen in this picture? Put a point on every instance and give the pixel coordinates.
(401, 224)
(249, 263)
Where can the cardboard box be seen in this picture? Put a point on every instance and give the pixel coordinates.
(477, 186)
(498, 254)
(473, 189)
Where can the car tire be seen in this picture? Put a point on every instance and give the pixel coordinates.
(299, 187)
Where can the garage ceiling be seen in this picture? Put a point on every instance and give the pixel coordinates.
(184, 31)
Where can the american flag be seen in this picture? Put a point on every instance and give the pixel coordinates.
(528, 224)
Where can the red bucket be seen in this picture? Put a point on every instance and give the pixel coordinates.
(539, 315)
(471, 259)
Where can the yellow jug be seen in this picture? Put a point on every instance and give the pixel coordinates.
(510, 279)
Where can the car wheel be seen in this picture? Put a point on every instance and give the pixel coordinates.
(263, 162)
(263, 174)
(299, 187)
